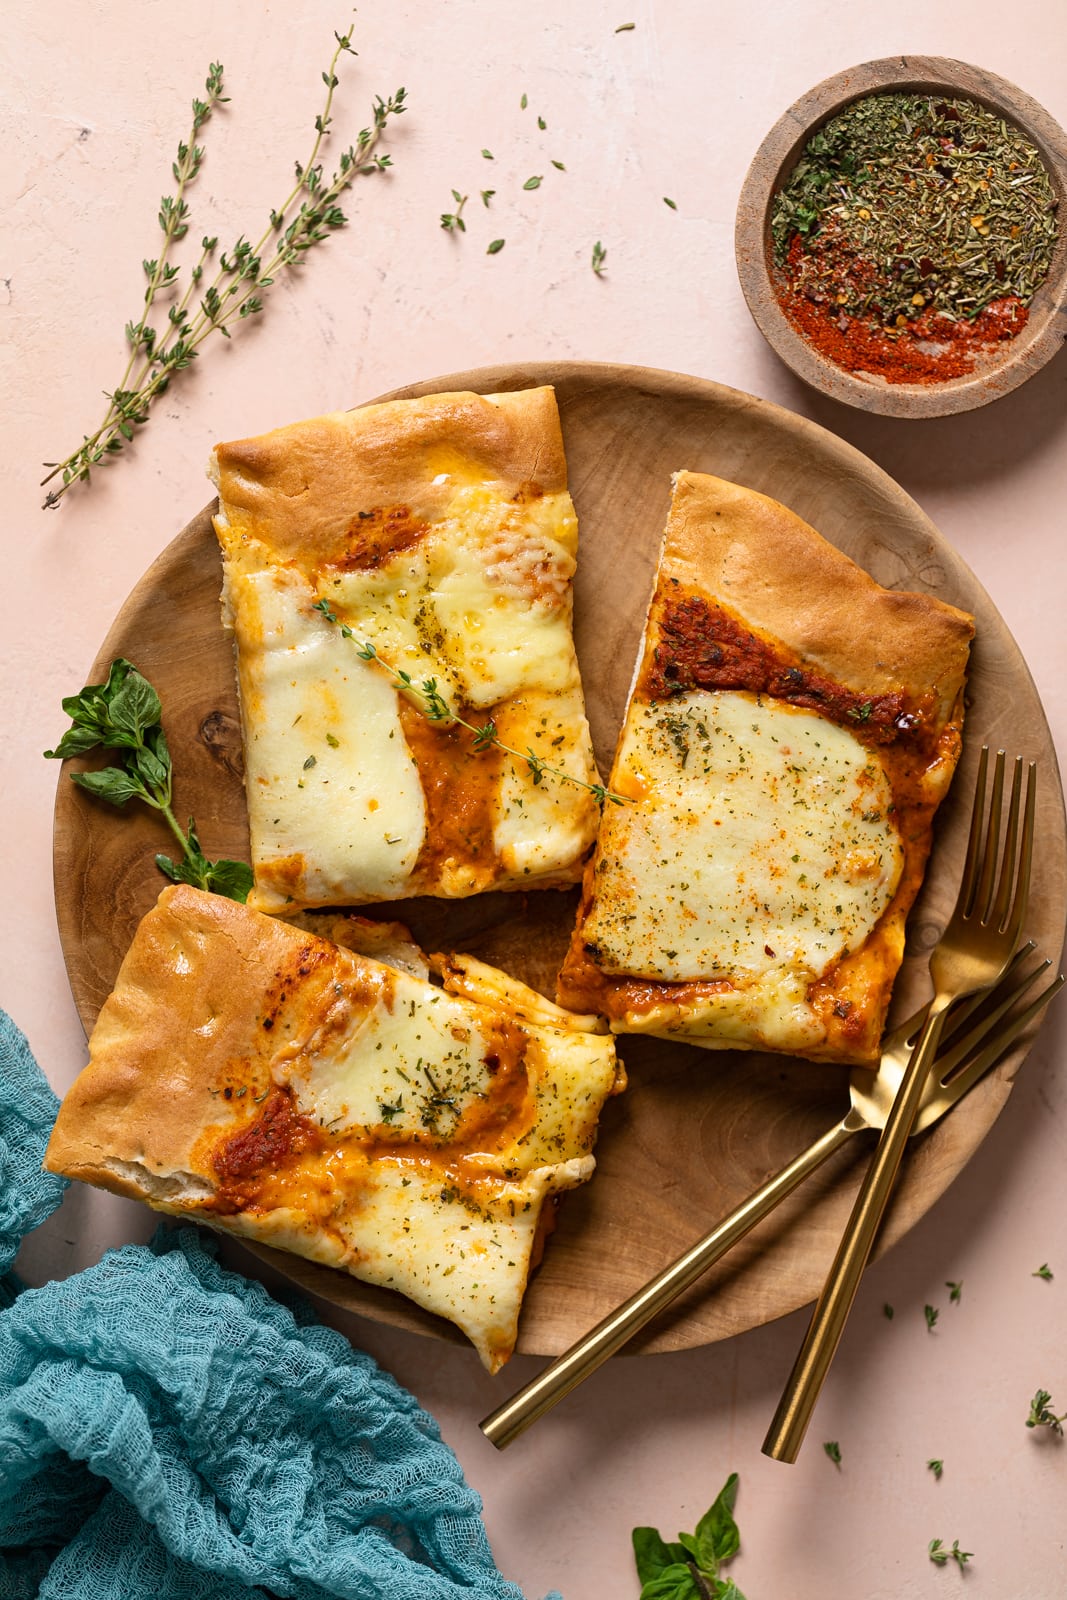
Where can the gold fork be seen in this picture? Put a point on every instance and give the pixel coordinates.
(872, 1092)
(970, 956)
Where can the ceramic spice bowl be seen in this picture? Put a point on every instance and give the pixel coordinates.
(947, 376)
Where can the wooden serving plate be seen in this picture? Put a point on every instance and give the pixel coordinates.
(697, 1130)
(995, 372)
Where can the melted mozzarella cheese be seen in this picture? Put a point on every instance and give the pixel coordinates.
(480, 602)
(759, 848)
(335, 807)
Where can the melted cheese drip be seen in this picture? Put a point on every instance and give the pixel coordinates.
(760, 847)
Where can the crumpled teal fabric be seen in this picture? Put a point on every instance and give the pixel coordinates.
(168, 1431)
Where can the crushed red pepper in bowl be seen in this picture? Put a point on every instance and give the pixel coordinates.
(911, 235)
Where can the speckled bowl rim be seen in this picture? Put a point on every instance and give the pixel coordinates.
(1046, 327)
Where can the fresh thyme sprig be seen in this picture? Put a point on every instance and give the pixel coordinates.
(1041, 1413)
(428, 699)
(307, 216)
(124, 715)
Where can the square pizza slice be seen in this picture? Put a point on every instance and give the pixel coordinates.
(255, 1077)
(791, 730)
(384, 569)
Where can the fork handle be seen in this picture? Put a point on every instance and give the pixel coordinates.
(791, 1419)
(620, 1325)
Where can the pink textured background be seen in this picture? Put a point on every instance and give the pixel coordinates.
(95, 96)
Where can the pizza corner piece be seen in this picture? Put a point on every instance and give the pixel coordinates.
(791, 730)
(398, 582)
(255, 1077)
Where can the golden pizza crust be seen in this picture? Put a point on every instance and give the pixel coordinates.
(783, 578)
(301, 485)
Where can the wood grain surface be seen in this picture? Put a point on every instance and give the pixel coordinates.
(996, 372)
(697, 1130)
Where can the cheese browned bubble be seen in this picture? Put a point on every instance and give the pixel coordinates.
(439, 532)
(791, 731)
(250, 1075)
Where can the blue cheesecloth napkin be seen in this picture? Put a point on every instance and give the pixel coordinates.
(169, 1431)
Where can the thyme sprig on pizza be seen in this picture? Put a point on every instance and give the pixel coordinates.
(124, 716)
(427, 698)
(307, 216)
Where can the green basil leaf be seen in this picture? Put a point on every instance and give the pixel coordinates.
(701, 1555)
(717, 1538)
(133, 708)
(75, 742)
(675, 1582)
(230, 878)
(112, 784)
(151, 769)
(728, 1590)
(652, 1553)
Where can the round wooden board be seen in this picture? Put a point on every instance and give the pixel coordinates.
(696, 1131)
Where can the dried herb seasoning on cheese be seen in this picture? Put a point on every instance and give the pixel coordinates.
(912, 235)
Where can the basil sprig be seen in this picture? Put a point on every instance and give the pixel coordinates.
(689, 1568)
(124, 715)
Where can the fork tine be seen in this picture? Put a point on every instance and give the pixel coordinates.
(1007, 865)
(1026, 855)
(970, 1074)
(970, 865)
(984, 897)
(949, 1060)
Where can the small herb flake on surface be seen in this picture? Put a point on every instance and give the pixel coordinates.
(626, 27)
(488, 154)
(600, 255)
(559, 166)
(936, 1466)
(667, 201)
(532, 183)
(542, 124)
(955, 1290)
(833, 1450)
(1043, 1272)
(887, 1311)
(931, 1314)
(494, 248)
(487, 195)
(523, 103)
